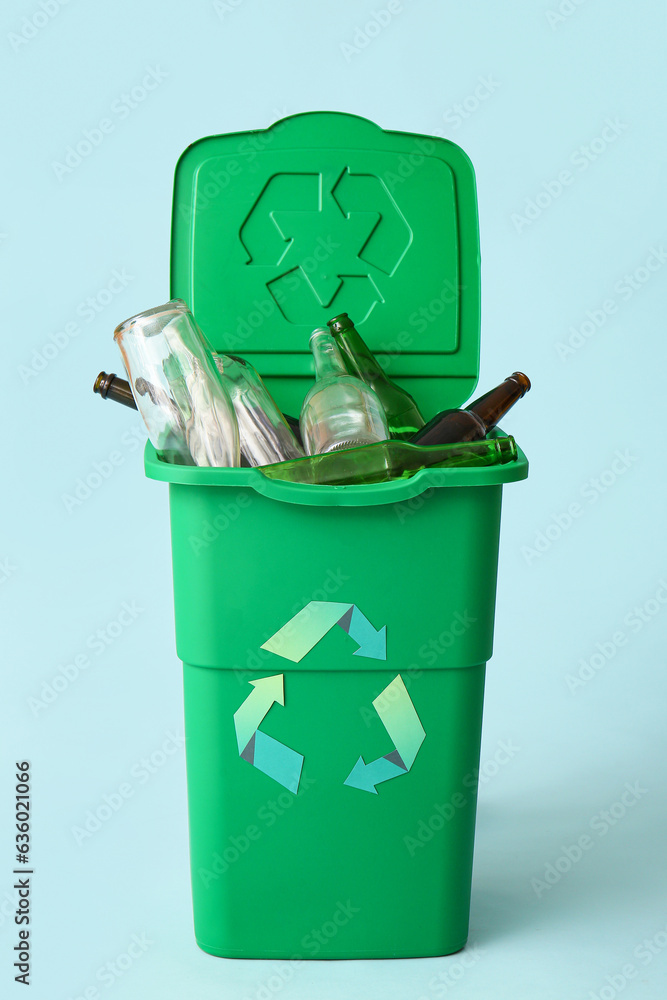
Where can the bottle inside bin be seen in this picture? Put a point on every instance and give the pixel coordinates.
(265, 436)
(177, 387)
(401, 410)
(339, 411)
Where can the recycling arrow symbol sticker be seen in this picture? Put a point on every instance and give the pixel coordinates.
(393, 705)
(262, 751)
(400, 719)
(312, 623)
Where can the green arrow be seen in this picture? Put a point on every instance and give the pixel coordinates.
(249, 716)
(390, 236)
(266, 754)
(312, 623)
(260, 234)
(395, 708)
(398, 715)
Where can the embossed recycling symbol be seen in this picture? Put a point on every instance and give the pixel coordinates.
(310, 239)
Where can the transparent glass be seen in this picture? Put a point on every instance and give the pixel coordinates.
(339, 411)
(403, 416)
(264, 434)
(387, 460)
(177, 387)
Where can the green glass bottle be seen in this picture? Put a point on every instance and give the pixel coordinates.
(403, 414)
(385, 460)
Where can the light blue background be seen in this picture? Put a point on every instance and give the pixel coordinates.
(551, 86)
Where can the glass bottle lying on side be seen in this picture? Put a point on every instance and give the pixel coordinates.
(386, 460)
(177, 387)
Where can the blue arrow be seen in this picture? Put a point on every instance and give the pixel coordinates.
(367, 776)
(278, 761)
(372, 643)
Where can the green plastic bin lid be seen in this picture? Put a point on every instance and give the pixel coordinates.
(276, 231)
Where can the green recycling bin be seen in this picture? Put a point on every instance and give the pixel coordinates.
(334, 638)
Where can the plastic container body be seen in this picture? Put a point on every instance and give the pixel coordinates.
(334, 638)
(334, 871)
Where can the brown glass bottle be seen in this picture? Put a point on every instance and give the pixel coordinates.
(113, 387)
(474, 423)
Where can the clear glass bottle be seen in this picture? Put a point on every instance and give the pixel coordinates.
(403, 416)
(339, 411)
(265, 436)
(177, 387)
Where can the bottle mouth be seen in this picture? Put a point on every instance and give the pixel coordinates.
(340, 322)
(522, 379)
(103, 383)
(318, 331)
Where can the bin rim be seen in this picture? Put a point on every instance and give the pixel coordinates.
(371, 494)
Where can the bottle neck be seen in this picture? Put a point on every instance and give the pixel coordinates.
(362, 359)
(494, 404)
(328, 359)
(113, 387)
